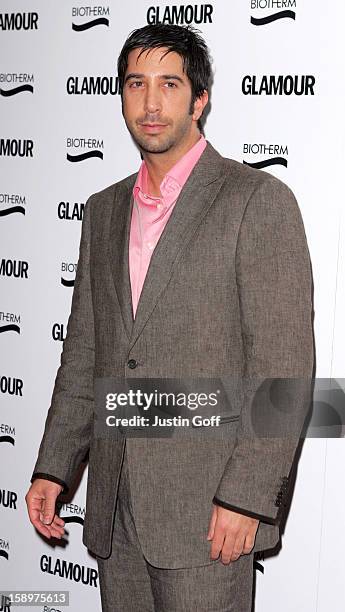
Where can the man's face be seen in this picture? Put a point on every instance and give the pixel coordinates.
(156, 101)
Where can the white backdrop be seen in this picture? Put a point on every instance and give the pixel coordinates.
(42, 46)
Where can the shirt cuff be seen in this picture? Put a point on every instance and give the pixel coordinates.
(255, 515)
(52, 478)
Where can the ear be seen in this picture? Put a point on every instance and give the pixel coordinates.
(199, 105)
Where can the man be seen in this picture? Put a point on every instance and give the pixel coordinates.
(195, 266)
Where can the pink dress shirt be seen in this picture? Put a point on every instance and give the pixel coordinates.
(150, 215)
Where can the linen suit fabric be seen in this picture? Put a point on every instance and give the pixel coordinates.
(128, 582)
(227, 294)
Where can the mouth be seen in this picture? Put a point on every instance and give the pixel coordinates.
(153, 127)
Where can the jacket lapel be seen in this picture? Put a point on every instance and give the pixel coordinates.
(195, 199)
(119, 247)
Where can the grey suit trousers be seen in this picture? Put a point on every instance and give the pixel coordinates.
(129, 583)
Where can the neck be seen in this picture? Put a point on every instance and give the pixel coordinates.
(158, 164)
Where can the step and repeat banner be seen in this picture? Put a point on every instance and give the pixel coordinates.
(277, 103)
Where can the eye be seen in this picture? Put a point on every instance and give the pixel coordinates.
(136, 84)
(170, 84)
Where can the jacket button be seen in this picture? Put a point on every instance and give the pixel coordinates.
(132, 363)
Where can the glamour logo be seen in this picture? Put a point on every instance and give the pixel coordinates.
(7, 434)
(92, 85)
(180, 14)
(75, 514)
(99, 16)
(282, 10)
(9, 322)
(4, 548)
(84, 143)
(18, 21)
(11, 386)
(279, 153)
(69, 570)
(14, 267)
(68, 267)
(70, 212)
(15, 202)
(8, 499)
(11, 80)
(16, 147)
(278, 85)
(58, 332)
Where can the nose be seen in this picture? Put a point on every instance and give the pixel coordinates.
(152, 99)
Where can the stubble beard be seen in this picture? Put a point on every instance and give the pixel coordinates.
(160, 143)
(153, 143)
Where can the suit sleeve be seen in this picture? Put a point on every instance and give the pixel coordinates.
(274, 281)
(67, 431)
(52, 479)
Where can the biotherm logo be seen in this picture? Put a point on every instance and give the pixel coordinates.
(87, 17)
(7, 434)
(11, 203)
(258, 155)
(9, 322)
(67, 268)
(80, 149)
(264, 12)
(72, 513)
(4, 549)
(14, 83)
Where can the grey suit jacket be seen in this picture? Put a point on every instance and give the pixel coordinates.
(227, 294)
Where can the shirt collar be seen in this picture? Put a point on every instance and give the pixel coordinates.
(172, 182)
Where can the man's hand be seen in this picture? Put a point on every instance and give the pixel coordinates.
(232, 534)
(40, 500)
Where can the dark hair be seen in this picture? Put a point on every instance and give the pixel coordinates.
(184, 40)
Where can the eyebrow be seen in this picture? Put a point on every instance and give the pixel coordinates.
(166, 77)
